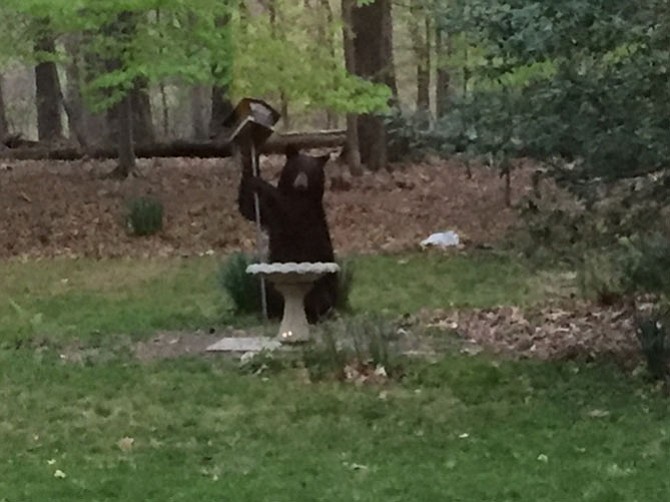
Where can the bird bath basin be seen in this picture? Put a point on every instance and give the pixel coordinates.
(293, 281)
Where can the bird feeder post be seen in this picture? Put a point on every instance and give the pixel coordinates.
(252, 122)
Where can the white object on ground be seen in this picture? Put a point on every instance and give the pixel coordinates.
(293, 281)
(442, 240)
(244, 344)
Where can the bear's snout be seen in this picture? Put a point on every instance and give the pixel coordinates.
(300, 182)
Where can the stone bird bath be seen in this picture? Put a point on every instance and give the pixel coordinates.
(293, 281)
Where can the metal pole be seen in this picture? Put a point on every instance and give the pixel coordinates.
(259, 229)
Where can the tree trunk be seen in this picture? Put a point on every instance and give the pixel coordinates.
(351, 147)
(4, 124)
(129, 114)
(199, 113)
(373, 47)
(47, 90)
(143, 125)
(420, 32)
(165, 110)
(326, 36)
(221, 108)
(221, 104)
(73, 101)
(443, 76)
(285, 117)
(85, 65)
(125, 147)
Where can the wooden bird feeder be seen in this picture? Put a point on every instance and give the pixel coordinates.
(252, 121)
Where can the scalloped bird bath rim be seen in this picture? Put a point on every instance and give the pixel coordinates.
(293, 281)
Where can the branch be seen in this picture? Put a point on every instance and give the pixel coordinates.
(276, 144)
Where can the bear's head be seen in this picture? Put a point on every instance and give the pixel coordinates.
(303, 175)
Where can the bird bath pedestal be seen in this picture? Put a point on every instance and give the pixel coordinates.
(293, 281)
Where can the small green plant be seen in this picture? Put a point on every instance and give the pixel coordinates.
(144, 216)
(601, 276)
(653, 333)
(245, 290)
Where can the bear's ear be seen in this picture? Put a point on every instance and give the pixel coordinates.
(291, 151)
(323, 160)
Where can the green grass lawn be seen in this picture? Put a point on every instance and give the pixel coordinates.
(464, 429)
(75, 299)
(461, 429)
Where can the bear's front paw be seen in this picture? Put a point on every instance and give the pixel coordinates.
(256, 184)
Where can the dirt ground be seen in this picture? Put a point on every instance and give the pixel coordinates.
(568, 331)
(50, 208)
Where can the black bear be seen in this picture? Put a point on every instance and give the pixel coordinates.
(292, 214)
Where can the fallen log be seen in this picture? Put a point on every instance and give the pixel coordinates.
(277, 143)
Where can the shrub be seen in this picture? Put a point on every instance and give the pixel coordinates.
(647, 268)
(144, 216)
(245, 289)
(637, 265)
(410, 136)
(601, 276)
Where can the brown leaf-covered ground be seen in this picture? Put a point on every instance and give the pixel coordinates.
(561, 331)
(52, 208)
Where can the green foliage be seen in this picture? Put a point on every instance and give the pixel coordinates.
(281, 58)
(602, 276)
(637, 265)
(144, 216)
(410, 136)
(140, 39)
(203, 41)
(479, 125)
(581, 81)
(243, 289)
